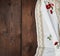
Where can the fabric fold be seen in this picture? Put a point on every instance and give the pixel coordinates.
(47, 18)
(46, 28)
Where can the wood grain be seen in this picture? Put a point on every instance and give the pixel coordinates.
(29, 39)
(10, 28)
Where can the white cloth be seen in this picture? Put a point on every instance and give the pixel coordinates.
(50, 27)
(50, 21)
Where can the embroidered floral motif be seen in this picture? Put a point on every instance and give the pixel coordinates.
(49, 37)
(56, 43)
(50, 7)
(51, 11)
(47, 6)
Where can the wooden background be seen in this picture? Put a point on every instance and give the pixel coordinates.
(29, 39)
(17, 32)
(10, 27)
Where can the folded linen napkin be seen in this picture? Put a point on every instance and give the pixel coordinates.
(48, 17)
(50, 29)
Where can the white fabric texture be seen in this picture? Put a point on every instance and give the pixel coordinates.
(46, 24)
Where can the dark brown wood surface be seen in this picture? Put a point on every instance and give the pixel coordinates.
(29, 39)
(10, 27)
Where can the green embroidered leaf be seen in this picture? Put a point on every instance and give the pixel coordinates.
(52, 8)
(49, 37)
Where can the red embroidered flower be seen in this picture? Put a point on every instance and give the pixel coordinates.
(47, 6)
(51, 11)
(56, 43)
(52, 4)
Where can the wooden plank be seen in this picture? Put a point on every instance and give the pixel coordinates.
(10, 27)
(29, 39)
